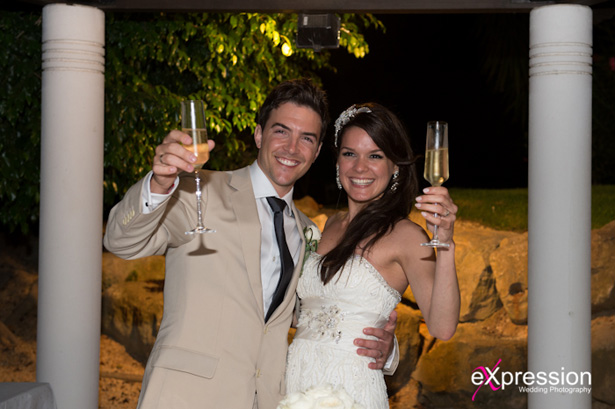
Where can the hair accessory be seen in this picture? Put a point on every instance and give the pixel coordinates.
(395, 181)
(346, 116)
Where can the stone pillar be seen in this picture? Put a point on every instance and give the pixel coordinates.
(70, 255)
(559, 242)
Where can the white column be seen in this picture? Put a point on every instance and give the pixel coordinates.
(70, 255)
(559, 320)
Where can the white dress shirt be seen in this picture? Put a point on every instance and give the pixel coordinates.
(270, 253)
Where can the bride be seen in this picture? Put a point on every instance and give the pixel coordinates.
(368, 256)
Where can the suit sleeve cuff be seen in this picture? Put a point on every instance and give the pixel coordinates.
(390, 365)
(151, 200)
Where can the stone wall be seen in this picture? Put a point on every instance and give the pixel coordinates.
(492, 271)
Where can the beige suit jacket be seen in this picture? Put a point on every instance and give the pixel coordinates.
(213, 349)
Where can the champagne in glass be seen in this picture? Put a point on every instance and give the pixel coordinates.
(436, 165)
(193, 123)
(198, 147)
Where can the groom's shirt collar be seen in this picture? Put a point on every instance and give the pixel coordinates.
(263, 187)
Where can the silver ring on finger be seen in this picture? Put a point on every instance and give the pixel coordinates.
(160, 158)
(447, 213)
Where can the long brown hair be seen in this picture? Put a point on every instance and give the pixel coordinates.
(380, 216)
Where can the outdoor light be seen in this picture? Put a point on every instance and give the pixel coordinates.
(318, 31)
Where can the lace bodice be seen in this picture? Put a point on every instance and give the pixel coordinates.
(331, 317)
(337, 312)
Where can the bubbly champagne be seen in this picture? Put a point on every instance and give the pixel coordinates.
(436, 166)
(199, 146)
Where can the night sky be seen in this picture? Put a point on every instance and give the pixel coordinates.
(430, 67)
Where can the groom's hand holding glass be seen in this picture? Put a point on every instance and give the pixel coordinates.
(171, 158)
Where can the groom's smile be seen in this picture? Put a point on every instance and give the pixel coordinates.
(288, 144)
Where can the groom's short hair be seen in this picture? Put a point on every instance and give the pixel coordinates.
(302, 92)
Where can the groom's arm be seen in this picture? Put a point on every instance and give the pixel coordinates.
(381, 348)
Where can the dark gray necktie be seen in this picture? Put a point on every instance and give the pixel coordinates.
(287, 265)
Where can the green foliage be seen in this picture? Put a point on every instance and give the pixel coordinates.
(506, 209)
(153, 61)
(603, 211)
(231, 61)
(500, 209)
(20, 119)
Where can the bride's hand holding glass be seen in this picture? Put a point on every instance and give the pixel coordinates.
(436, 172)
(438, 209)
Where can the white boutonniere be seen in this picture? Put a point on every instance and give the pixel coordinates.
(312, 237)
(319, 397)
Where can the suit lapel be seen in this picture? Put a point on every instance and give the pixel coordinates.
(244, 207)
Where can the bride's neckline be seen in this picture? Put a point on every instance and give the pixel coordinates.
(373, 269)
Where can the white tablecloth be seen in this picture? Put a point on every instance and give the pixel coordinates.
(26, 395)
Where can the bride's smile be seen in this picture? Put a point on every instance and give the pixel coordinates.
(364, 169)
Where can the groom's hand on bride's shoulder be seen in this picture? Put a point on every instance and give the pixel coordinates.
(381, 348)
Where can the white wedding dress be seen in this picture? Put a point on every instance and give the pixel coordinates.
(331, 317)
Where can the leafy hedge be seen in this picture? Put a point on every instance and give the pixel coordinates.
(152, 62)
(20, 119)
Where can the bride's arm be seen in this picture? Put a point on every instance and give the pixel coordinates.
(434, 279)
(437, 294)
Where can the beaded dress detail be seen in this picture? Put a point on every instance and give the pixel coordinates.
(331, 317)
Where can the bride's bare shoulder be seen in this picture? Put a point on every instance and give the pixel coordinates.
(334, 219)
(408, 231)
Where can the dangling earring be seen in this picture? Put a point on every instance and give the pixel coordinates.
(395, 181)
(337, 177)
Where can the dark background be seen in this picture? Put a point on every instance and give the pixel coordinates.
(469, 70)
(434, 67)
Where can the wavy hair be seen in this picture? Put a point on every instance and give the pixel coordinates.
(379, 216)
(302, 92)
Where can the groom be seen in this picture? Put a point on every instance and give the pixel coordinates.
(223, 337)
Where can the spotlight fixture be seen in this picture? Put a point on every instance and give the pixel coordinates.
(318, 31)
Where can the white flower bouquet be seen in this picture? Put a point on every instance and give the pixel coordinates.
(319, 397)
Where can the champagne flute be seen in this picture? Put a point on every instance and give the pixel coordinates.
(193, 123)
(436, 166)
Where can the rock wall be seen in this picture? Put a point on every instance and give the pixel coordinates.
(492, 271)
